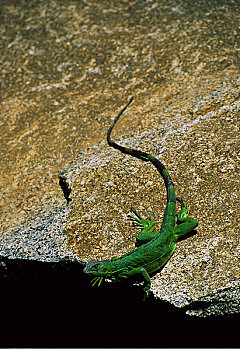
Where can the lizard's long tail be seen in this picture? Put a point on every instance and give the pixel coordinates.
(145, 157)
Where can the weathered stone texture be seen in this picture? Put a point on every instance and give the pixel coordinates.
(66, 69)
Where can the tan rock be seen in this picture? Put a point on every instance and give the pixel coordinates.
(66, 70)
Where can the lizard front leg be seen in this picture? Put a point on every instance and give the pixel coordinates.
(139, 271)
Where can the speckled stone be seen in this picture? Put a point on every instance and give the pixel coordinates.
(203, 275)
(66, 69)
(42, 238)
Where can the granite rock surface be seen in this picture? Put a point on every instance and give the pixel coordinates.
(66, 69)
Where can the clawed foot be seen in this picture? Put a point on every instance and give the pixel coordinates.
(139, 221)
(184, 210)
(146, 291)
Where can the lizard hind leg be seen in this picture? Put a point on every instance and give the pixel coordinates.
(147, 227)
(139, 221)
(184, 210)
(185, 225)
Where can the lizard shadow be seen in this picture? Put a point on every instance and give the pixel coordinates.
(188, 235)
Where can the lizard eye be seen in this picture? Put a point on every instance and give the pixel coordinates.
(95, 266)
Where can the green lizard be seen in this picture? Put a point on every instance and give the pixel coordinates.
(154, 247)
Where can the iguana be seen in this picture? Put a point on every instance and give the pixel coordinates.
(155, 247)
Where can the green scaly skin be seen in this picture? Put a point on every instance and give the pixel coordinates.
(155, 248)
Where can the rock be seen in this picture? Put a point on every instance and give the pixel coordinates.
(202, 277)
(66, 70)
(41, 238)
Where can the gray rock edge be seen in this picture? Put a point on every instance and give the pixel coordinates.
(224, 301)
(42, 238)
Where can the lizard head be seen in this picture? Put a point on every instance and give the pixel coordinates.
(98, 269)
(95, 268)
